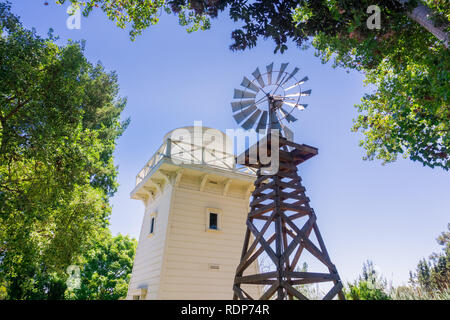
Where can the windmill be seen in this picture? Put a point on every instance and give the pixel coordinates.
(281, 225)
(277, 91)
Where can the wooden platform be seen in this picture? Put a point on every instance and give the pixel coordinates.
(298, 153)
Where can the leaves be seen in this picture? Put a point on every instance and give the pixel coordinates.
(369, 286)
(106, 269)
(409, 111)
(140, 14)
(60, 118)
(433, 275)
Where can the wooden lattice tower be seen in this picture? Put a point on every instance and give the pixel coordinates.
(279, 203)
(280, 225)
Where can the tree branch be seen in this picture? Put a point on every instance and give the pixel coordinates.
(422, 15)
(16, 109)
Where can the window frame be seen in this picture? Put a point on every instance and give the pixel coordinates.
(152, 224)
(216, 211)
(152, 228)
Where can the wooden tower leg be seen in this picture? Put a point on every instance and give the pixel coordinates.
(279, 205)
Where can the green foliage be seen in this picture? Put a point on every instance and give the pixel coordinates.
(106, 269)
(140, 15)
(417, 293)
(189, 19)
(441, 11)
(105, 266)
(369, 286)
(3, 291)
(59, 120)
(363, 290)
(431, 281)
(433, 275)
(408, 113)
(310, 291)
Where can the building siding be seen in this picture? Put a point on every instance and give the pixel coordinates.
(191, 248)
(150, 250)
(175, 262)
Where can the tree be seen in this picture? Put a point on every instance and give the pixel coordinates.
(407, 114)
(408, 111)
(3, 292)
(311, 291)
(422, 14)
(59, 120)
(369, 286)
(106, 269)
(260, 18)
(433, 275)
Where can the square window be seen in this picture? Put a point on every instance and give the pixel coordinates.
(213, 221)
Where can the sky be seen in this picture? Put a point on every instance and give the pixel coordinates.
(390, 214)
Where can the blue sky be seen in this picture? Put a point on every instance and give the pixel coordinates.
(390, 214)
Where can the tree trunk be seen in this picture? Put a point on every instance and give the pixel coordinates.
(422, 15)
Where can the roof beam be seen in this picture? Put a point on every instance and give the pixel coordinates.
(203, 182)
(226, 187)
(178, 176)
(166, 176)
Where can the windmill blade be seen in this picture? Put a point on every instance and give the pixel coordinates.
(291, 75)
(291, 99)
(288, 134)
(296, 105)
(299, 94)
(306, 93)
(269, 69)
(249, 85)
(248, 124)
(297, 83)
(236, 106)
(239, 94)
(262, 123)
(289, 117)
(244, 113)
(258, 77)
(280, 73)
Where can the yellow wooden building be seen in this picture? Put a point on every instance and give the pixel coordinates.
(196, 202)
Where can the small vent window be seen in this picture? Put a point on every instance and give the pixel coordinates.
(214, 267)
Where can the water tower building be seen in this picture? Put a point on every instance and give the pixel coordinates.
(196, 203)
